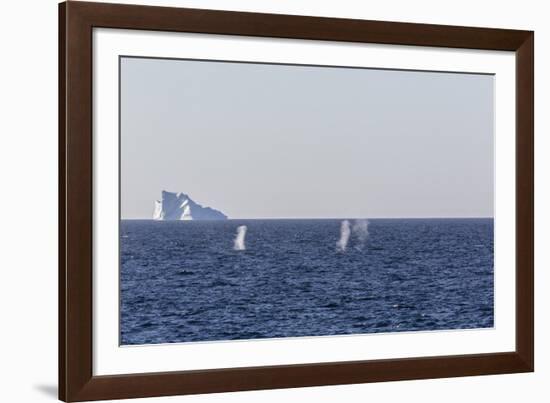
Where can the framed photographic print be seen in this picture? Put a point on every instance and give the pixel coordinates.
(253, 201)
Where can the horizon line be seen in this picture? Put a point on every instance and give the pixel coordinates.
(329, 218)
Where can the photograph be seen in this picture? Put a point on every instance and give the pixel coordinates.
(265, 200)
(304, 201)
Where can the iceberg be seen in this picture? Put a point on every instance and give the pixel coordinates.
(179, 206)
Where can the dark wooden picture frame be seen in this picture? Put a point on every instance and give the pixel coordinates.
(76, 22)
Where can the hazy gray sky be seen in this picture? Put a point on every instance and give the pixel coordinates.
(274, 141)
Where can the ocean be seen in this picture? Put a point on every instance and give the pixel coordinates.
(183, 281)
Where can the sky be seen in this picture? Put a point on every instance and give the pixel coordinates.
(282, 141)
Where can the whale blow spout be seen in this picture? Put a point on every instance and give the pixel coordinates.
(361, 230)
(239, 238)
(345, 231)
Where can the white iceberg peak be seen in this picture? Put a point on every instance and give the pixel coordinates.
(179, 206)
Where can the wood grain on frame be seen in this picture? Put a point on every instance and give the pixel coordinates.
(76, 22)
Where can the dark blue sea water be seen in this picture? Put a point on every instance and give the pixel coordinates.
(183, 282)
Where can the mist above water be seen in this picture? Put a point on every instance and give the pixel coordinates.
(238, 243)
(361, 231)
(345, 232)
